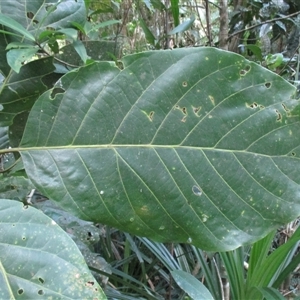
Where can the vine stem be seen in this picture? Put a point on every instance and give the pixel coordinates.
(265, 22)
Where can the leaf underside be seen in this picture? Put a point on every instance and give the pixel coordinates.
(193, 145)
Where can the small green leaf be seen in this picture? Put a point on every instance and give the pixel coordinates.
(149, 35)
(270, 293)
(274, 60)
(183, 26)
(69, 32)
(106, 23)
(175, 11)
(10, 33)
(192, 286)
(11, 23)
(80, 49)
(157, 4)
(256, 51)
(78, 26)
(17, 57)
(14, 45)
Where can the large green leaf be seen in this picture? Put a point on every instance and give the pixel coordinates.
(38, 259)
(192, 145)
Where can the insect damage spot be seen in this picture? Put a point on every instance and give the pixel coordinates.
(20, 291)
(253, 105)
(279, 117)
(30, 15)
(149, 115)
(56, 91)
(184, 84)
(184, 111)
(285, 108)
(40, 292)
(245, 70)
(196, 190)
(212, 100)
(90, 283)
(196, 110)
(268, 85)
(41, 280)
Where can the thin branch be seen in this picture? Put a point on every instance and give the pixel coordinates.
(207, 15)
(265, 22)
(214, 4)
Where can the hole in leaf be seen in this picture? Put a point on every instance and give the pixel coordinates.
(253, 105)
(293, 153)
(41, 292)
(89, 236)
(284, 107)
(41, 280)
(184, 84)
(243, 72)
(196, 190)
(56, 91)
(90, 283)
(196, 110)
(23, 238)
(184, 110)
(20, 291)
(247, 68)
(30, 15)
(278, 115)
(150, 116)
(35, 21)
(268, 85)
(119, 64)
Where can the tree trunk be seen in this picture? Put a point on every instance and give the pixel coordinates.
(223, 35)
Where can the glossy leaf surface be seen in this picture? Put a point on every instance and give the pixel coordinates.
(192, 145)
(33, 252)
